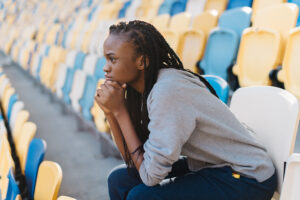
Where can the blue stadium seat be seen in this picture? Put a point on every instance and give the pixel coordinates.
(123, 10)
(78, 63)
(165, 7)
(99, 73)
(68, 85)
(239, 3)
(12, 100)
(220, 85)
(220, 52)
(35, 156)
(13, 189)
(87, 99)
(297, 2)
(178, 7)
(236, 19)
(64, 39)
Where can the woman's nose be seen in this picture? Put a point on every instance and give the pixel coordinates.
(106, 68)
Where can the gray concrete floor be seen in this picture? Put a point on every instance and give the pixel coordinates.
(78, 153)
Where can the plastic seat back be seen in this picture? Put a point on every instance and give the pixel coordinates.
(281, 17)
(13, 189)
(70, 59)
(205, 21)
(178, 7)
(87, 99)
(60, 80)
(220, 52)
(219, 5)
(239, 3)
(258, 5)
(22, 117)
(165, 7)
(236, 19)
(220, 85)
(35, 156)
(89, 64)
(297, 2)
(17, 107)
(180, 22)
(10, 91)
(290, 69)
(194, 7)
(273, 114)
(77, 89)
(291, 180)
(27, 134)
(98, 71)
(68, 85)
(12, 100)
(79, 59)
(192, 49)
(161, 22)
(264, 46)
(173, 39)
(48, 181)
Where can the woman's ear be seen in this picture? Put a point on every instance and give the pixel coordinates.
(142, 62)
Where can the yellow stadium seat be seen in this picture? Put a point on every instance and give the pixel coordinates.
(173, 39)
(65, 198)
(219, 5)
(261, 4)
(180, 22)
(192, 49)
(28, 132)
(46, 71)
(205, 21)
(289, 74)
(258, 55)
(5, 100)
(74, 39)
(98, 115)
(22, 117)
(161, 22)
(280, 17)
(48, 181)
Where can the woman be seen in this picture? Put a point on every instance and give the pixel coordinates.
(178, 140)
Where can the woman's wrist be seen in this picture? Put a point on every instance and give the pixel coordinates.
(117, 113)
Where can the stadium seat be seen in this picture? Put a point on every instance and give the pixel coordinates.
(161, 22)
(87, 99)
(205, 21)
(35, 156)
(66, 89)
(291, 179)
(77, 89)
(12, 100)
(48, 181)
(280, 17)
(98, 71)
(220, 52)
(297, 2)
(65, 198)
(5, 100)
(123, 10)
(165, 7)
(180, 22)
(178, 6)
(219, 5)
(4, 81)
(90, 64)
(192, 49)
(12, 189)
(60, 80)
(220, 85)
(239, 3)
(173, 39)
(258, 5)
(17, 107)
(28, 131)
(22, 117)
(289, 74)
(264, 46)
(236, 19)
(273, 114)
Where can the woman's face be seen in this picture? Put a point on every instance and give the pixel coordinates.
(122, 63)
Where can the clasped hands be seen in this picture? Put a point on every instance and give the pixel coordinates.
(110, 97)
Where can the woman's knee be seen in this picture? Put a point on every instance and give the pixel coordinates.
(116, 175)
(141, 192)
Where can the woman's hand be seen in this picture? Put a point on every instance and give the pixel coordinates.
(111, 97)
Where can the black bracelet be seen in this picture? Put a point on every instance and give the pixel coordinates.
(137, 149)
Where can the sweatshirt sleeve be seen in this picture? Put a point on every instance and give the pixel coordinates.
(170, 126)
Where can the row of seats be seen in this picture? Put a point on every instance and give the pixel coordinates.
(23, 155)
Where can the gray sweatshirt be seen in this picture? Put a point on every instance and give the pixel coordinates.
(186, 119)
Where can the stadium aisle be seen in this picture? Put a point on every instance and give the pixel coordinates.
(78, 153)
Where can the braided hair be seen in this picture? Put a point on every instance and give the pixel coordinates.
(150, 44)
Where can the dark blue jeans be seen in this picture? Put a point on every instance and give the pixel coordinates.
(205, 184)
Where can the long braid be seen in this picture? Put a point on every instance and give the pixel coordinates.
(150, 44)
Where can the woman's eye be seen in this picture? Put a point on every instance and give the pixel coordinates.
(112, 60)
